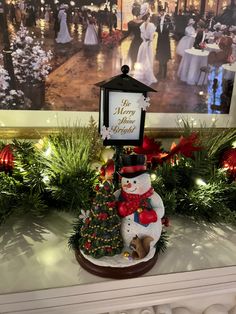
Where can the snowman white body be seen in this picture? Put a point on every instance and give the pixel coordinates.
(129, 228)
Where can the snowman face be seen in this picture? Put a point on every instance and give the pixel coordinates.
(137, 185)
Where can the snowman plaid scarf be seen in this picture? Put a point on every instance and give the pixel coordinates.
(138, 205)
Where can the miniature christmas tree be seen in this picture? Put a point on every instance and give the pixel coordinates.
(100, 233)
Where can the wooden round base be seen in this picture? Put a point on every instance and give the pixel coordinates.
(115, 272)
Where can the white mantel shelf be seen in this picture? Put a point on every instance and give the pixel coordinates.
(38, 273)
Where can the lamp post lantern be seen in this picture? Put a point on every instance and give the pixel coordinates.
(122, 109)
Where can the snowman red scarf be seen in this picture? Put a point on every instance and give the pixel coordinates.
(138, 205)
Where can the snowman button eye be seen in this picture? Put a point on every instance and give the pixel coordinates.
(135, 182)
(127, 181)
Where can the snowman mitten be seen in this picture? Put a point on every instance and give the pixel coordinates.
(125, 208)
(147, 216)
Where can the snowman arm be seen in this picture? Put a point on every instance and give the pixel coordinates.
(157, 205)
(117, 194)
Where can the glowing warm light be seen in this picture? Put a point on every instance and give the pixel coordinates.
(49, 257)
(210, 3)
(107, 154)
(42, 9)
(138, 66)
(42, 1)
(200, 182)
(45, 179)
(72, 3)
(153, 176)
(42, 25)
(234, 144)
(201, 93)
(48, 151)
(226, 165)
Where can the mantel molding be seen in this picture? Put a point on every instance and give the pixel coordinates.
(121, 295)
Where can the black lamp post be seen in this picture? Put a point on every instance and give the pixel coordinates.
(122, 108)
(7, 58)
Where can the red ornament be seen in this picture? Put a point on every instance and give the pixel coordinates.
(108, 249)
(228, 162)
(87, 220)
(6, 159)
(97, 188)
(87, 245)
(112, 204)
(102, 216)
(165, 221)
(107, 187)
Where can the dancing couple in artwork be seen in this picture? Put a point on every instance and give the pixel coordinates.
(144, 28)
(154, 33)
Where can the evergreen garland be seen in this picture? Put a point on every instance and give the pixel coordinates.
(56, 172)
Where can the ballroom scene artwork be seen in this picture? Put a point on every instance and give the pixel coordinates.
(54, 52)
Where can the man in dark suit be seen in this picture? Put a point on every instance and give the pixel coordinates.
(163, 54)
(56, 26)
(201, 36)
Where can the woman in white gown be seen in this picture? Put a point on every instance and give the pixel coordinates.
(144, 65)
(63, 36)
(91, 36)
(187, 41)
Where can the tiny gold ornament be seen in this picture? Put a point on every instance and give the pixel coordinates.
(126, 254)
(110, 208)
(139, 210)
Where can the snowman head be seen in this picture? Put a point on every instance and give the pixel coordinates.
(136, 185)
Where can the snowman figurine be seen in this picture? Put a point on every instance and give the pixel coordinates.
(140, 207)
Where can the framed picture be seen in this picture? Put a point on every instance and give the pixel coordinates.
(194, 80)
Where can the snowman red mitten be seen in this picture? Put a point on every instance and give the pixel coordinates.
(125, 208)
(147, 216)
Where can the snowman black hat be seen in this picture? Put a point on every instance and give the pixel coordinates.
(133, 166)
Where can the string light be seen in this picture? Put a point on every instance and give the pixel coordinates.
(200, 182)
(153, 177)
(48, 151)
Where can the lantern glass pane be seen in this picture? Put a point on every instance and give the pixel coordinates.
(124, 115)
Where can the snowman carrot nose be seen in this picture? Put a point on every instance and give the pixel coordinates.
(128, 185)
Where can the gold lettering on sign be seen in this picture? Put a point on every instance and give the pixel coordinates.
(124, 130)
(125, 123)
